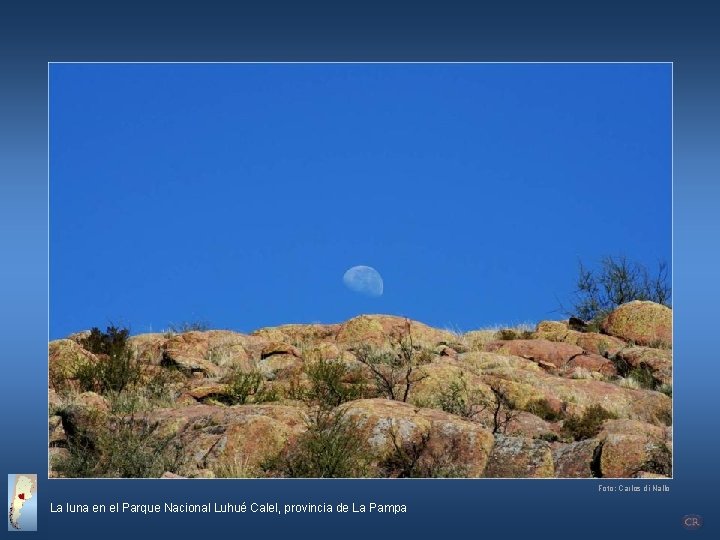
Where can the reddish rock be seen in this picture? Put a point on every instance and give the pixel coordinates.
(466, 445)
(643, 323)
(65, 357)
(214, 437)
(517, 457)
(530, 426)
(595, 343)
(189, 352)
(577, 459)
(148, 347)
(630, 447)
(658, 361)
(383, 330)
(538, 350)
(551, 330)
(593, 362)
(276, 347)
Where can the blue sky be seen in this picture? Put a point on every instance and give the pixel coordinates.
(239, 194)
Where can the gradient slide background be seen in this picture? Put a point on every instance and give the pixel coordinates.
(32, 35)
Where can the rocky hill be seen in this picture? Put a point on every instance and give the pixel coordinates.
(375, 396)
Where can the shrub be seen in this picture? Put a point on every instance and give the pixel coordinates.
(332, 447)
(417, 458)
(327, 383)
(397, 370)
(635, 377)
(116, 369)
(125, 448)
(644, 377)
(244, 387)
(507, 334)
(461, 400)
(542, 408)
(236, 467)
(188, 326)
(589, 424)
(616, 282)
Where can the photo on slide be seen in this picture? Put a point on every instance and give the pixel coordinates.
(360, 270)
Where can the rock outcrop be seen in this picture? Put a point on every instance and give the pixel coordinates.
(644, 323)
(223, 403)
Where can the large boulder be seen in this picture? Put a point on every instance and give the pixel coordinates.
(552, 330)
(555, 357)
(299, 335)
(148, 347)
(591, 362)
(232, 441)
(524, 382)
(546, 353)
(85, 417)
(437, 379)
(644, 323)
(213, 353)
(630, 447)
(65, 357)
(188, 352)
(517, 457)
(383, 330)
(577, 460)
(595, 343)
(450, 441)
(530, 426)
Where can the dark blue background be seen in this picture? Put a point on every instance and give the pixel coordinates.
(30, 36)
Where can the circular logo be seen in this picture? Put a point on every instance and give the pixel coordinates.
(692, 522)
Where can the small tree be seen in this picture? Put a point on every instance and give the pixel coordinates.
(503, 411)
(395, 371)
(617, 281)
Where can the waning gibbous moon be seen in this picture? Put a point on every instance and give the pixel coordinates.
(364, 280)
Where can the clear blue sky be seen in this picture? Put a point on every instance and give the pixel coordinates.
(239, 194)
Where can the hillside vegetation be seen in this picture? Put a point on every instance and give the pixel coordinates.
(375, 396)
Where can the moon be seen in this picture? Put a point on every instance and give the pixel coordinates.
(364, 280)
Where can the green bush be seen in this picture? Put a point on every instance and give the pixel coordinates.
(588, 424)
(643, 375)
(332, 447)
(541, 408)
(245, 387)
(417, 458)
(327, 383)
(116, 368)
(461, 400)
(125, 448)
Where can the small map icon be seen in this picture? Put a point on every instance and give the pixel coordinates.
(22, 502)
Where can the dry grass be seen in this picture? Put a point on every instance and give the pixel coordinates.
(236, 467)
(628, 382)
(475, 340)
